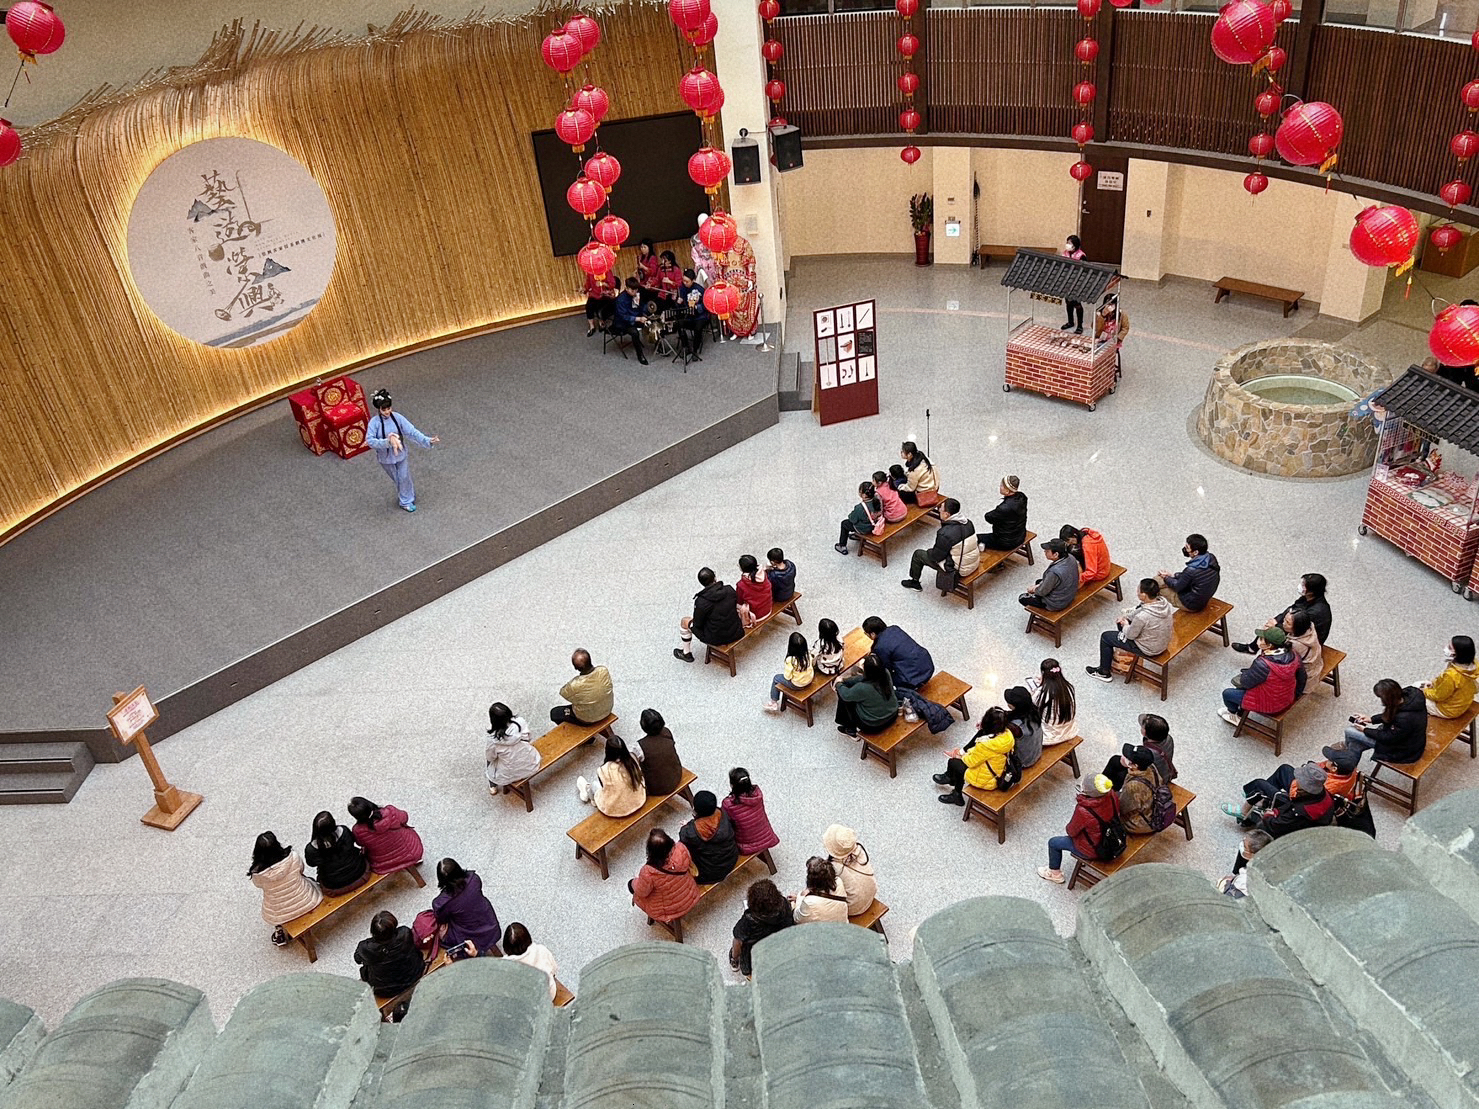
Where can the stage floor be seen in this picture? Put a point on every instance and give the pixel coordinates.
(201, 558)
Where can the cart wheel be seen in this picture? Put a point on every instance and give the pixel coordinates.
(1112, 388)
(1457, 588)
(1005, 388)
(1468, 594)
(1092, 407)
(1361, 530)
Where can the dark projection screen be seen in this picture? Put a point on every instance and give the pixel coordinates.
(655, 194)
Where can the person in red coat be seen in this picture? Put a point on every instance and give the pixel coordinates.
(746, 808)
(1095, 807)
(754, 591)
(663, 888)
(1270, 684)
(382, 831)
(647, 275)
(669, 279)
(600, 302)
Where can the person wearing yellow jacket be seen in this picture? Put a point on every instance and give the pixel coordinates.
(1452, 692)
(981, 761)
(797, 674)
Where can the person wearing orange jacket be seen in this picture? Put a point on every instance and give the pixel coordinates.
(1088, 546)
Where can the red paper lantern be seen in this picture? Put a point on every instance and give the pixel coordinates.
(1309, 133)
(708, 167)
(1276, 88)
(585, 196)
(1278, 57)
(604, 170)
(1243, 32)
(908, 119)
(575, 126)
(705, 34)
(1455, 193)
(1267, 103)
(1088, 8)
(721, 298)
(908, 45)
(34, 27)
(1084, 92)
(1454, 340)
(908, 84)
(906, 8)
(597, 259)
(1152, 3)
(772, 50)
(910, 154)
(1261, 145)
(1080, 171)
(1384, 236)
(593, 99)
(1086, 50)
(10, 143)
(1255, 183)
(1445, 237)
(612, 230)
(1083, 132)
(718, 233)
(769, 9)
(561, 51)
(1474, 40)
(775, 90)
(1464, 145)
(1121, 3)
(1470, 96)
(586, 30)
(1280, 9)
(700, 90)
(689, 15)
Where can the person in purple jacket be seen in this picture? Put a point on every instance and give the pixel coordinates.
(469, 926)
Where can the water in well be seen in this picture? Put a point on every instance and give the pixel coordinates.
(1300, 389)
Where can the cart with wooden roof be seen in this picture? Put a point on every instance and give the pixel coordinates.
(1047, 359)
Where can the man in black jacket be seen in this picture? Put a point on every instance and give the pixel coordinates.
(953, 531)
(389, 960)
(1199, 578)
(1008, 520)
(1307, 804)
(715, 619)
(1311, 601)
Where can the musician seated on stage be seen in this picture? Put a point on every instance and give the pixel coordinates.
(600, 302)
(669, 280)
(630, 318)
(649, 280)
(693, 317)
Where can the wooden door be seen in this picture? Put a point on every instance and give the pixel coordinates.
(1101, 223)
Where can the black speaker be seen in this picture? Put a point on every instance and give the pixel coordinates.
(786, 147)
(745, 154)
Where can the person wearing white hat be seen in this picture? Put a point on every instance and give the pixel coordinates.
(853, 867)
(1095, 809)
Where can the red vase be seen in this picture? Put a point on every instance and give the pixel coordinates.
(921, 248)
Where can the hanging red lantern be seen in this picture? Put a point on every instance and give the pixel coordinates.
(1278, 58)
(604, 170)
(721, 298)
(769, 9)
(1455, 193)
(906, 8)
(1464, 145)
(1384, 236)
(561, 51)
(708, 167)
(908, 45)
(689, 15)
(1276, 88)
(1243, 32)
(593, 99)
(1086, 50)
(1445, 237)
(585, 196)
(1280, 9)
(1261, 145)
(10, 143)
(908, 84)
(612, 230)
(1080, 171)
(1088, 8)
(1083, 132)
(586, 31)
(575, 126)
(908, 120)
(705, 34)
(775, 90)
(1152, 3)
(1470, 96)
(1454, 340)
(1084, 92)
(1255, 183)
(1267, 103)
(1121, 3)
(701, 91)
(34, 27)
(718, 233)
(772, 50)
(1309, 133)
(910, 154)
(597, 259)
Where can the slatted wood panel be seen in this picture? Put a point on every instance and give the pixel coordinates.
(1003, 72)
(840, 72)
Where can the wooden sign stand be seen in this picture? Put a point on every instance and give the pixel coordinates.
(130, 715)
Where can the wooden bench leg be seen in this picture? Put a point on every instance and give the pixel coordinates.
(306, 939)
(1218, 298)
(1073, 763)
(1119, 590)
(965, 712)
(1467, 736)
(1074, 873)
(764, 857)
(415, 872)
(676, 927)
(687, 794)
(1001, 826)
(877, 926)
(794, 611)
(1332, 679)
(1221, 628)
(1184, 819)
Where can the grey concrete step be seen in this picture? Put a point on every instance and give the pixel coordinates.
(1442, 842)
(21, 1032)
(42, 773)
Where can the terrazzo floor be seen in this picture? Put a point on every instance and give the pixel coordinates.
(89, 894)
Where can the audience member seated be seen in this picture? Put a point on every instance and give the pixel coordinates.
(664, 889)
(1342, 782)
(796, 671)
(1399, 732)
(620, 787)
(766, 912)
(820, 901)
(648, 279)
(853, 867)
(589, 693)
(981, 762)
(867, 702)
(1199, 578)
(866, 518)
(1270, 684)
(287, 893)
(336, 856)
(1155, 737)
(1089, 550)
(510, 753)
(1137, 791)
(1025, 721)
(466, 922)
(519, 947)
(894, 508)
(1008, 520)
(628, 318)
(1452, 692)
(693, 317)
(1235, 885)
(921, 483)
(1289, 801)
(715, 619)
(710, 839)
(1311, 601)
(662, 769)
(753, 592)
(909, 664)
(1144, 630)
(389, 961)
(1095, 807)
(782, 574)
(1304, 643)
(600, 302)
(382, 830)
(745, 807)
(955, 546)
(1058, 586)
(1057, 706)
(669, 279)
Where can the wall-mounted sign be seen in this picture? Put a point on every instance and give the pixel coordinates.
(952, 228)
(1110, 181)
(231, 242)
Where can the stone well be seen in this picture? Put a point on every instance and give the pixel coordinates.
(1290, 440)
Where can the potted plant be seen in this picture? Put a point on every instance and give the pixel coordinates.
(921, 218)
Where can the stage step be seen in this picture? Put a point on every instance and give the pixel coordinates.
(42, 773)
(795, 383)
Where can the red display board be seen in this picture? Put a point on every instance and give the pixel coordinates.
(846, 344)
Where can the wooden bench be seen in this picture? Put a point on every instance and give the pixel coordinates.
(872, 918)
(553, 746)
(725, 654)
(563, 996)
(1288, 298)
(878, 544)
(675, 927)
(1052, 622)
(990, 560)
(597, 832)
(1186, 629)
(301, 928)
(992, 803)
(388, 1005)
(987, 251)
(855, 645)
(1089, 872)
(1270, 726)
(943, 689)
(1442, 734)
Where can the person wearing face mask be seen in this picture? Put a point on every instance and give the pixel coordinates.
(1073, 247)
(1311, 601)
(1452, 692)
(1198, 580)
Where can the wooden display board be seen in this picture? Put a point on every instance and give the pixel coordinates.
(846, 345)
(130, 715)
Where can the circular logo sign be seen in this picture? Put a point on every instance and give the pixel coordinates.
(231, 242)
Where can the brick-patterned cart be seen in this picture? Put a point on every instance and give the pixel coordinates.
(1046, 359)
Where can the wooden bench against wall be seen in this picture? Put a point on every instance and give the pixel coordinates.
(966, 586)
(1288, 299)
(992, 803)
(597, 832)
(1052, 622)
(1186, 629)
(301, 928)
(878, 544)
(726, 653)
(1089, 872)
(1270, 726)
(553, 746)
(943, 689)
(1403, 778)
(675, 927)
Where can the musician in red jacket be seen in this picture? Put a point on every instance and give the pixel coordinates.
(648, 279)
(600, 302)
(669, 279)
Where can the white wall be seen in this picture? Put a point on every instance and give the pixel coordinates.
(1027, 197)
(852, 201)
